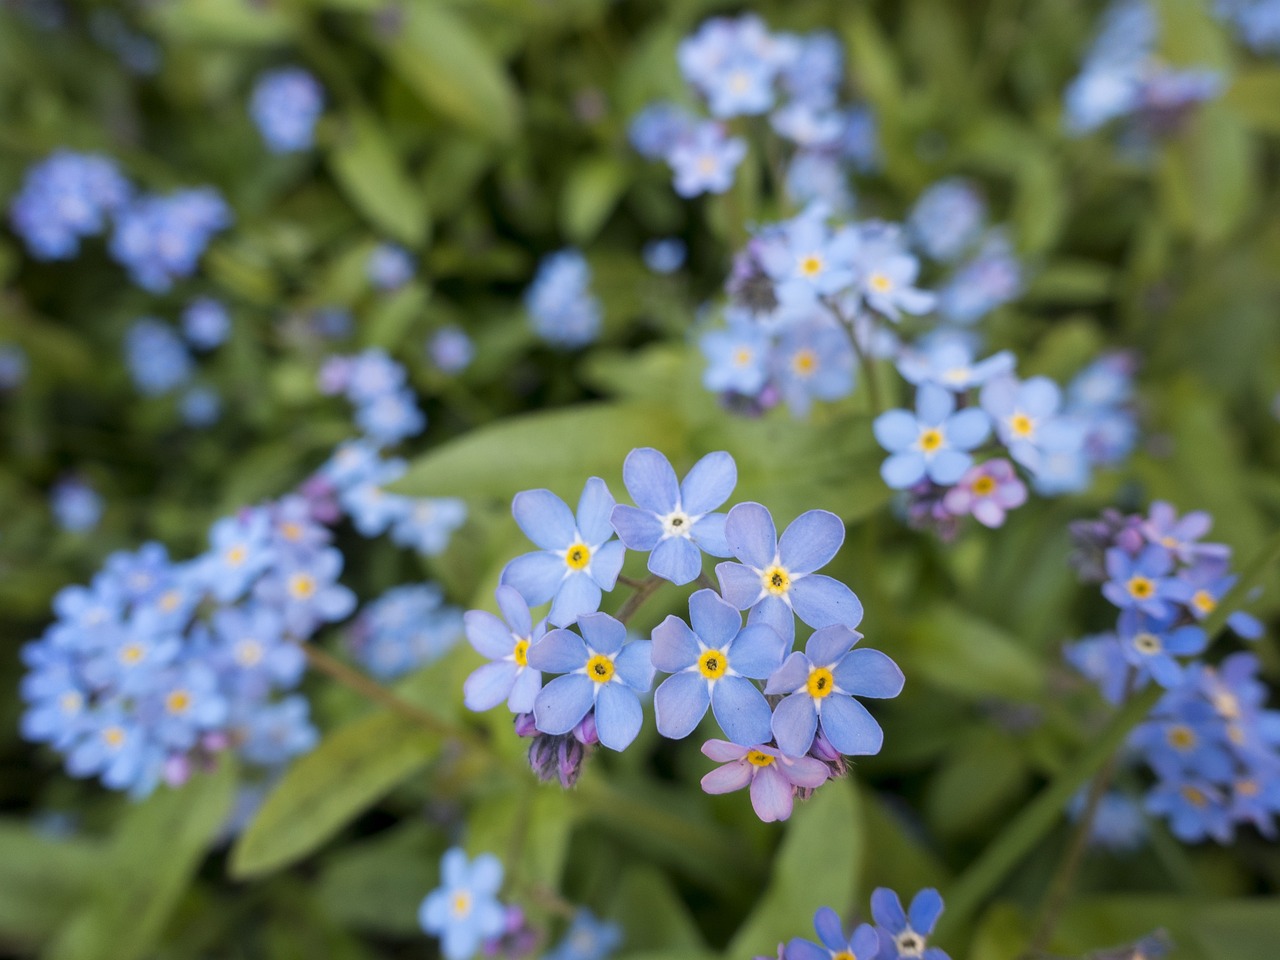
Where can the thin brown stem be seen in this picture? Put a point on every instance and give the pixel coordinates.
(705, 582)
(643, 592)
(631, 582)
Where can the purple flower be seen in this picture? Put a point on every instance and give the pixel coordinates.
(905, 935)
(674, 520)
(1140, 582)
(933, 442)
(776, 577)
(579, 557)
(1180, 535)
(709, 666)
(862, 944)
(509, 676)
(988, 491)
(773, 778)
(601, 671)
(818, 688)
(705, 160)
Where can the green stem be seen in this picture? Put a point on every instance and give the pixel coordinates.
(643, 592)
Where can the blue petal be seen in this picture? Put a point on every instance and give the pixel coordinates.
(887, 910)
(618, 716)
(709, 483)
(537, 576)
(934, 404)
(560, 651)
(926, 907)
(634, 664)
(773, 612)
(607, 564)
(756, 651)
(947, 466)
(741, 710)
(638, 529)
(1039, 396)
(903, 470)
(828, 645)
(811, 541)
(865, 942)
(751, 534)
(896, 430)
(869, 673)
(578, 595)
(677, 560)
(827, 922)
(708, 534)
(453, 868)
(739, 585)
(789, 677)
(563, 702)
(486, 874)
(650, 480)
(524, 692)
(680, 703)
(968, 428)
(594, 508)
(489, 685)
(489, 635)
(715, 621)
(849, 727)
(602, 632)
(674, 645)
(821, 601)
(544, 518)
(798, 949)
(514, 610)
(795, 721)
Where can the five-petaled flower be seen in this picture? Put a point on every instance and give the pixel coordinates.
(464, 911)
(905, 935)
(773, 778)
(933, 442)
(862, 944)
(508, 676)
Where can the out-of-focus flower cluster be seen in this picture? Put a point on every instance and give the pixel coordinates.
(560, 304)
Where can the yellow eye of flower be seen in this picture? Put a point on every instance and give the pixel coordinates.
(1203, 601)
(302, 586)
(236, 556)
(461, 904)
(248, 652)
(1022, 426)
(880, 283)
(1140, 587)
(70, 702)
(291, 531)
(713, 664)
(521, 653)
(114, 737)
(169, 602)
(600, 668)
(1247, 788)
(578, 556)
(930, 439)
(776, 580)
(758, 758)
(821, 683)
(811, 265)
(132, 654)
(1193, 796)
(1181, 738)
(179, 701)
(805, 362)
(984, 486)
(742, 356)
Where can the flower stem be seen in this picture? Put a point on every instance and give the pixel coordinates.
(644, 591)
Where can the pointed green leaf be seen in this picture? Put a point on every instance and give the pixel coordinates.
(370, 174)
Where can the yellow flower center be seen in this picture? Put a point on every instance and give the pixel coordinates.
(1227, 705)
(291, 531)
(236, 556)
(132, 654)
(114, 736)
(521, 653)
(758, 758)
(600, 668)
(707, 164)
(1203, 601)
(461, 904)
(880, 283)
(1181, 738)
(713, 664)
(742, 356)
(179, 701)
(811, 265)
(1140, 587)
(739, 81)
(1168, 542)
(1235, 733)
(1247, 788)
(805, 362)
(984, 486)
(578, 556)
(1022, 426)
(1193, 796)
(930, 439)
(248, 653)
(776, 580)
(821, 683)
(71, 702)
(1147, 643)
(302, 586)
(843, 955)
(169, 602)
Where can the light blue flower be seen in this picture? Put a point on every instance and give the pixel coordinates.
(285, 105)
(948, 362)
(157, 359)
(506, 643)
(904, 935)
(947, 219)
(933, 442)
(861, 944)
(389, 267)
(737, 359)
(76, 506)
(560, 303)
(706, 160)
(464, 911)
(807, 260)
(205, 323)
(586, 939)
(674, 521)
(1025, 414)
(63, 198)
(601, 672)
(811, 361)
(579, 556)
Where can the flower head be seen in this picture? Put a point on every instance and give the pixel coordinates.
(506, 643)
(988, 491)
(285, 105)
(904, 935)
(705, 160)
(773, 777)
(861, 944)
(464, 910)
(934, 441)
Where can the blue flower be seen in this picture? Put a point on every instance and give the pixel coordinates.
(507, 644)
(579, 557)
(285, 105)
(705, 160)
(733, 63)
(586, 939)
(1201, 587)
(560, 303)
(1151, 645)
(674, 521)
(13, 366)
(1141, 581)
(161, 239)
(1181, 536)
(948, 362)
(76, 506)
(200, 407)
(993, 277)
(861, 944)
(813, 360)
(450, 349)
(601, 672)
(275, 733)
(737, 360)
(1026, 418)
(464, 911)
(205, 323)
(115, 747)
(185, 703)
(934, 442)
(63, 198)
(1196, 809)
(886, 281)
(905, 935)
(390, 417)
(664, 256)
(806, 260)
(710, 666)
(656, 129)
(818, 689)
(947, 219)
(239, 551)
(775, 578)
(389, 267)
(157, 358)
(429, 523)
(252, 652)
(306, 591)
(405, 628)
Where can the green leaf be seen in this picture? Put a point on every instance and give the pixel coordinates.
(378, 884)
(981, 775)
(152, 859)
(322, 792)
(1208, 176)
(591, 192)
(222, 21)
(951, 649)
(42, 880)
(451, 70)
(558, 449)
(1255, 96)
(646, 893)
(367, 169)
(529, 817)
(817, 865)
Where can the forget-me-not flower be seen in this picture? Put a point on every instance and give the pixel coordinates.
(904, 935)
(772, 776)
(464, 911)
(861, 944)
(506, 643)
(934, 442)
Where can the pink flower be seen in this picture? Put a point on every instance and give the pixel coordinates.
(987, 491)
(774, 778)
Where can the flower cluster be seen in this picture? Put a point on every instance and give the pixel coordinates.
(738, 68)
(159, 362)
(896, 934)
(564, 311)
(1214, 749)
(404, 629)
(376, 385)
(157, 666)
(285, 105)
(64, 198)
(790, 716)
(1123, 79)
(160, 239)
(465, 914)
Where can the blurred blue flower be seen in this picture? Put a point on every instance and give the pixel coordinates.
(427, 524)
(991, 278)
(1140, 582)
(666, 255)
(861, 944)
(285, 105)
(65, 197)
(737, 359)
(934, 441)
(390, 266)
(200, 407)
(76, 506)
(1027, 420)
(206, 323)
(464, 911)
(157, 358)
(161, 239)
(947, 219)
(13, 366)
(811, 361)
(406, 628)
(705, 160)
(656, 129)
(586, 939)
(560, 303)
(450, 349)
